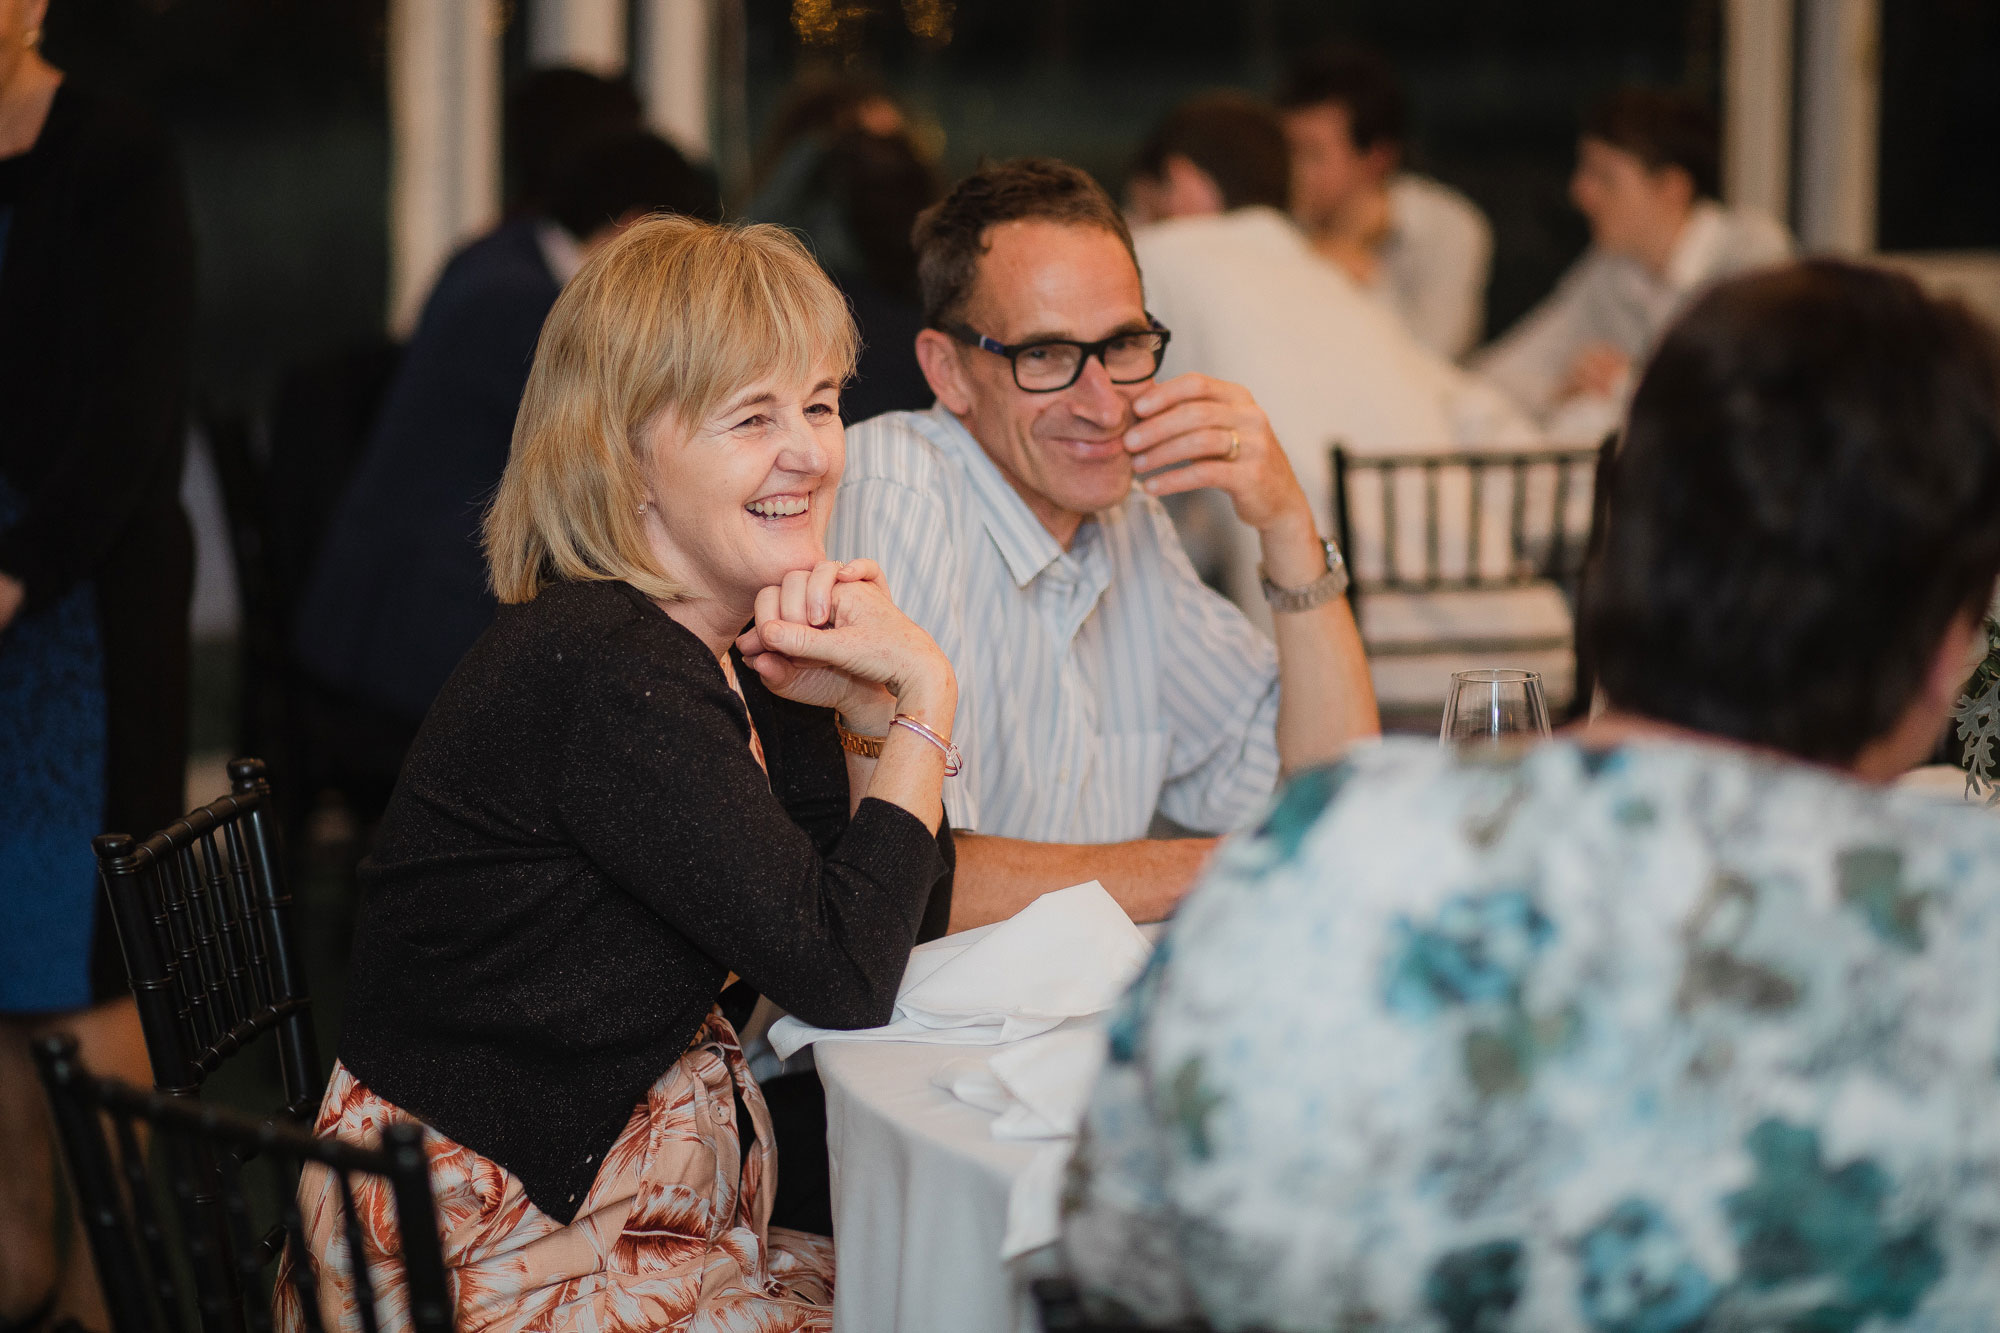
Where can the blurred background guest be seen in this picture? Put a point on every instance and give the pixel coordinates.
(815, 109)
(853, 182)
(1653, 1012)
(1648, 180)
(550, 115)
(1411, 241)
(622, 801)
(879, 184)
(1249, 300)
(96, 295)
(398, 591)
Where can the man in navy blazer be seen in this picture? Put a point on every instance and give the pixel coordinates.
(398, 591)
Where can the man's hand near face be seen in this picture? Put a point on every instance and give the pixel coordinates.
(1210, 432)
(1599, 371)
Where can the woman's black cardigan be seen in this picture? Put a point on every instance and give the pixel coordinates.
(579, 850)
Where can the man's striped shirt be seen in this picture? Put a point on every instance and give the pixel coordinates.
(1096, 685)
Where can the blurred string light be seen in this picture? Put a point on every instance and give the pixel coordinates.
(826, 22)
(839, 23)
(929, 21)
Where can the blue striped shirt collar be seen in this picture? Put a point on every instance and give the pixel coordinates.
(1026, 546)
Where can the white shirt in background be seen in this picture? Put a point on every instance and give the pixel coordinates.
(1435, 263)
(1617, 301)
(1250, 301)
(562, 252)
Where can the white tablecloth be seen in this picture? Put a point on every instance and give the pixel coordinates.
(919, 1196)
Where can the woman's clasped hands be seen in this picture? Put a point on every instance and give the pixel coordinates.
(832, 637)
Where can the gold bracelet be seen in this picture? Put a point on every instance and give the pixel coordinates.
(868, 747)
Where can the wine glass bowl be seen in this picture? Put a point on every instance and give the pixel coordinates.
(1492, 705)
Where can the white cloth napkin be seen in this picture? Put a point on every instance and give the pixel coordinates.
(1037, 1089)
(1066, 955)
(1034, 1204)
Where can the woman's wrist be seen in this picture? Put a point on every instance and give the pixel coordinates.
(931, 698)
(868, 713)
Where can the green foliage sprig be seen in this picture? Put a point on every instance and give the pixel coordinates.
(1978, 716)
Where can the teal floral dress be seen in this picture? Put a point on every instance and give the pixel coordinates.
(1649, 1040)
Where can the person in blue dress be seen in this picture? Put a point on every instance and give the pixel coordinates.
(96, 298)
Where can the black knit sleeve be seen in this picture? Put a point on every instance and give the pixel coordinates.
(808, 767)
(809, 775)
(658, 788)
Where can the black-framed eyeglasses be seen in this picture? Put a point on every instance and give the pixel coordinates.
(1050, 365)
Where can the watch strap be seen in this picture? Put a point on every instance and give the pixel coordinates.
(1315, 594)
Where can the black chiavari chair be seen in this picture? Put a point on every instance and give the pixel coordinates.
(204, 916)
(204, 919)
(142, 1256)
(1467, 558)
(1541, 543)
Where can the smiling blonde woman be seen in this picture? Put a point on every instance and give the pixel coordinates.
(633, 788)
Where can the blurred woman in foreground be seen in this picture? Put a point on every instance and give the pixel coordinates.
(1685, 1021)
(622, 799)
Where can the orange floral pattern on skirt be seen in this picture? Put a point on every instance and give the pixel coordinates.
(674, 1233)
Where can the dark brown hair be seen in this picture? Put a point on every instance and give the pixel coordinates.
(1808, 494)
(950, 236)
(1356, 78)
(552, 115)
(1662, 128)
(1236, 139)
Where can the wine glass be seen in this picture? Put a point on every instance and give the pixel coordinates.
(1494, 704)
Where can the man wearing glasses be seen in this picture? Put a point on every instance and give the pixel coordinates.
(1100, 683)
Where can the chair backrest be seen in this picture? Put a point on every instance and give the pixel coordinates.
(1059, 1305)
(1464, 520)
(141, 1255)
(204, 917)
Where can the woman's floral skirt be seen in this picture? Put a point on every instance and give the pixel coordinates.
(673, 1235)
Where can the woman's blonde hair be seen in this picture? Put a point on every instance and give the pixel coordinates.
(671, 316)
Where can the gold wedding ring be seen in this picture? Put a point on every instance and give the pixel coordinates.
(1235, 447)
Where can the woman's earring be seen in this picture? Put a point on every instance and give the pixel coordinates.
(642, 506)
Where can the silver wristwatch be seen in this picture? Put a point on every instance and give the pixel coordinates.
(1317, 593)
